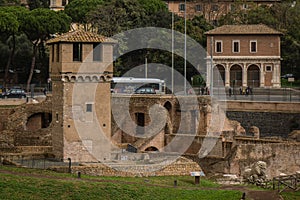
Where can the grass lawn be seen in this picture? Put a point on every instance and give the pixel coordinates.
(290, 195)
(17, 183)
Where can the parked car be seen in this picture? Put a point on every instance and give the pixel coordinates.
(14, 93)
(286, 76)
(145, 90)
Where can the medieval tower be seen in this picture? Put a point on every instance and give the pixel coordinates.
(81, 70)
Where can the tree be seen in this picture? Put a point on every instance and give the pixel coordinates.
(38, 25)
(33, 4)
(284, 17)
(10, 23)
(116, 16)
(78, 9)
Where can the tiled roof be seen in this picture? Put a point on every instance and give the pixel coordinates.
(243, 29)
(80, 36)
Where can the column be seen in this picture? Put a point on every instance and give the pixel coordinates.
(262, 75)
(208, 69)
(276, 75)
(244, 75)
(227, 75)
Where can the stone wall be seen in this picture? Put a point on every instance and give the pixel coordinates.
(269, 123)
(280, 158)
(181, 167)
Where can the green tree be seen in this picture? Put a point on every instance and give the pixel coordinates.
(116, 16)
(10, 22)
(78, 10)
(33, 4)
(38, 25)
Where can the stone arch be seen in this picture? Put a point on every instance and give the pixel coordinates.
(95, 79)
(87, 79)
(80, 79)
(67, 79)
(219, 76)
(73, 78)
(253, 76)
(236, 74)
(38, 121)
(102, 78)
(151, 148)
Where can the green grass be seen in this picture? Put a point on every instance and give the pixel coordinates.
(291, 195)
(41, 184)
(285, 83)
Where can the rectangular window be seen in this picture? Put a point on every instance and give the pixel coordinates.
(215, 7)
(77, 52)
(268, 68)
(97, 52)
(57, 52)
(218, 47)
(245, 6)
(235, 46)
(53, 51)
(181, 7)
(253, 46)
(198, 8)
(89, 107)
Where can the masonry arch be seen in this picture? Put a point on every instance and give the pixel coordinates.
(219, 76)
(38, 121)
(151, 148)
(236, 74)
(80, 79)
(253, 74)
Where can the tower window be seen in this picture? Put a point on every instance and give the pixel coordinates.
(97, 52)
(77, 52)
(89, 107)
(57, 52)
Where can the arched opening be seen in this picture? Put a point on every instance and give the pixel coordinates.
(253, 79)
(80, 79)
(168, 125)
(38, 121)
(140, 122)
(236, 75)
(152, 148)
(95, 79)
(219, 76)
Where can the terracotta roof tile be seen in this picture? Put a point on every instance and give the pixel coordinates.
(80, 36)
(243, 29)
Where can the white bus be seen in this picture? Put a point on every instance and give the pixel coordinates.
(129, 85)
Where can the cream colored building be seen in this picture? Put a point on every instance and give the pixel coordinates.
(81, 70)
(58, 4)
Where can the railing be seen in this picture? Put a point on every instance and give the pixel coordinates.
(285, 182)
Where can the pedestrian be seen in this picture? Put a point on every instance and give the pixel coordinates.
(45, 91)
(202, 90)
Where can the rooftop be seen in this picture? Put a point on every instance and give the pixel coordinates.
(243, 29)
(79, 36)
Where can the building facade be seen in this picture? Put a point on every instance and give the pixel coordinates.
(212, 10)
(58, 4)
(243, 55)
(81, 70)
